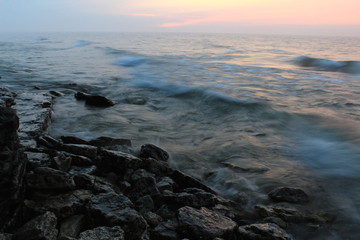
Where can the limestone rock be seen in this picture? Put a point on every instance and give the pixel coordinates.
(50, 179)
(110, 209)
(103, 233)
(152, 151)
(266, 231)
(291, 195)
(205, 224)
(94, 100)
(42, 227)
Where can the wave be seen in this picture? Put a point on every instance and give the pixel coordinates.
(319, 64)
(130, 61)
(82, 43)
(41, 39)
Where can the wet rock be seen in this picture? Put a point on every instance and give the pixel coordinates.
(44, 178)
(278, 221)
(80, 161)
(94, 100)
(62, 162)
(73, 140)
(205, 224)
(56, 93)
(38, 159)
(63, 205)
(192, 197)
(42, 227)
(185, 181)
(48, 142)
(118, 162)
(286, 214)
(12, 169)
(152, 151)
(93, 183)
(72, 226)
(165, 183)
(107, 141)
(165, 231)
(83, 170)
(103, 233)
(266, 231)
(110, 209)
(291, 195)
(157, 167)
(80, 149)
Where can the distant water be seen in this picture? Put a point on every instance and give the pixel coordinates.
(245, 113)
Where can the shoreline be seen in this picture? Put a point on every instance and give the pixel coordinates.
(99, 188)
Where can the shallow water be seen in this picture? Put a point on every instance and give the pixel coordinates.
(252, 112)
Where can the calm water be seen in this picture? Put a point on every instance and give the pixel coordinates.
(244, 113)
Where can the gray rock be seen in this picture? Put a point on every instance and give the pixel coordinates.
(42, 227)
(266, 231)
(83, 170)
(165, 183)
(72, 226)
(50, 179)
(103, 233)
(93, 183)
(94, 100)
(286, 214)
(38, 159)
(80, 149)
(185, 181)
(81, 161)
(291, 195)
(110, 209)
(73, 140)
(63, 205)
(165, 231)
(152, 218)
(205, 224)
(144, 204)
(152, 151)
(107, 141)
(142, 187)
(62, 162)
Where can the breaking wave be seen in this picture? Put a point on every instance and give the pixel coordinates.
(319, 64)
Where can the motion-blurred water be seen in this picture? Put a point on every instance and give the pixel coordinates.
(244, 113)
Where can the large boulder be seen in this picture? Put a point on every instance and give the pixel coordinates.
(111, 209)
(152, 151)
(42, 227)
(44, 178)
(12, 169)
(205, 224)
(94, 100)
(264, 231)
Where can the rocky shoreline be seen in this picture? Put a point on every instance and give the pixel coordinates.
(70, 188)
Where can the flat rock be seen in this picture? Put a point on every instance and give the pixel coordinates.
(286, 194)
(103, 233)
(80, 149)
(266, 231)
(42, 227)
(110, 209)
(205, 224)
(44, 178)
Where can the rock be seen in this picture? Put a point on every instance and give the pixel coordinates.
(266, 231)
(165, 231)
(56, 93)
(185, 181)
(144, 204)
(80, 161)
(73, 140)
(12, 169)
(142, 187)
(205, 224)
(118, 162)
(5, 236)
(38, 159)
(62, 162)
(95, 184)
(192, 197)
(152, 218)
(152, 151)
(110, 209)
(291, 195)
(48, 142)
(42, 227)
(72, 226)
(286, 214)
(83, 170)
(107, 141)
(63, 205)
(165, 183)
(80, 149)
(44, 178)
(94, 100)
(103, 233)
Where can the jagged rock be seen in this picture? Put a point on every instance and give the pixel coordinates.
(185, 181)
(152, 218)
(83, 170)
(205, 224)
(48, 142)
(38, 159)
(192, 197)
(159, 168)
(110, 209)
(165, 184)
(291, 195)
(73, 140)
(80, 149)
(72, 226)
(286, 214)
(42, 227)
(143, 186)
(141, 173)
(152, 151)
(62, 162)
(165, 231)
(12, 169)
(80, 161)
(103, 233)
(63, 205)
(118, 162)
(95, 184)
(266, 231)
(144, 204)
(94, 100)
(44, 178)
(166, 212)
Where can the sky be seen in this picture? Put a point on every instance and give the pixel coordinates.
(310, 17)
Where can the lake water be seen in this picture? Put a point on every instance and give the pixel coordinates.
(245, 113)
